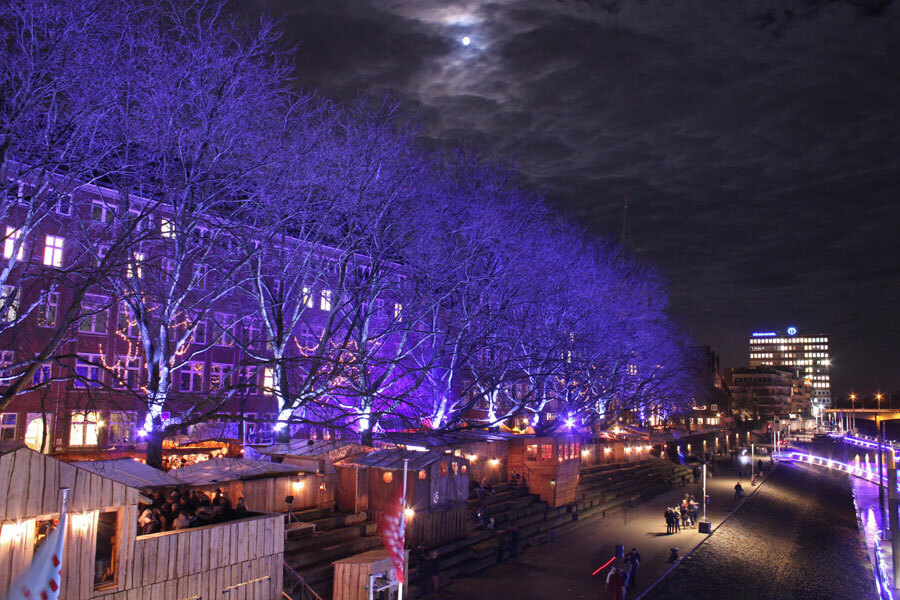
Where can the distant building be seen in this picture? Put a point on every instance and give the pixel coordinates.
(764, 392)
(712, 402)
(793, 349)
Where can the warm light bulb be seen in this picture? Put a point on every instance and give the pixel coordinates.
(466, 40)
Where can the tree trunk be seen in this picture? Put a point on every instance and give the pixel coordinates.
(155, 449)
(366, 437)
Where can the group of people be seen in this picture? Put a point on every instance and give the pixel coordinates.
(192, 509)
(622, 578)
(683, 515)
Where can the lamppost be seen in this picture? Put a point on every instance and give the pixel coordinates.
(852, 414)
(879, 396)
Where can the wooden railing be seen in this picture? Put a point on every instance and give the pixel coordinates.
(295, 587)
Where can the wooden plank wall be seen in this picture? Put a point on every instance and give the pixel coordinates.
(30, 485)
(435, 527)
(267, 494)
(481, 468)
(351, 578)
(352, 489)
(240, 559)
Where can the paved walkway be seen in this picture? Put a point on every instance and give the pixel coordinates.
(797, 539)
(562, 569)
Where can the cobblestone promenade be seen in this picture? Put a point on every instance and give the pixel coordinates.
(796, 539)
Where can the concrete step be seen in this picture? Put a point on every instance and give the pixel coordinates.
(303, 559)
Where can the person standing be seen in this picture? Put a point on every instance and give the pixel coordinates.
(633, 559)
(615, 584)
(434, 570)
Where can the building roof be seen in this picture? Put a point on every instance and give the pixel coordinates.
(7, 446)
(130, 472)
(218, 470)
(310, 448)
(392, 459)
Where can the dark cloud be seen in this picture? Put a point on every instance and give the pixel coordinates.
(758, 142)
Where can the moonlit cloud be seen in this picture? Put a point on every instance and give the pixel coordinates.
(757, 142)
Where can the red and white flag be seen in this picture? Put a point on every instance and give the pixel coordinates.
(392, 535)
(42, 579)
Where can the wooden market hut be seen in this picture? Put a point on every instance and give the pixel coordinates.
(263, 485)
(437, 491)
(103, 556)
(355, 576)
(549, 464)
(317, 456)
(132, 473)
(486, 451)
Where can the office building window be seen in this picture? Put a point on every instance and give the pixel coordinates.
(7, 426)
(84, 428)
(192, 377)
(13, 235)
(9, 303)
(88, 370)
(325, 301)
(95, 313)
(53, 251)
(48, 310)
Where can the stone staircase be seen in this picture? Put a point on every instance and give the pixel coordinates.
(311, 552)
(602, 489)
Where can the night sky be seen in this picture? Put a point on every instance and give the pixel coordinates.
(758, 142)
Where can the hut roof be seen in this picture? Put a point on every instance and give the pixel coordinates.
(305, 448)
(393, 459)
(218, 470)
(130, 472)
(444, 439)
(7, 446)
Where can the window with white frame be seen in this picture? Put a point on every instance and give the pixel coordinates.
(200, 275)
(126, 324)
(307, 298)
(224, 329)
(42, 374)
(136, 265)
(198, 336)
(89, 370)
(48, 310)
(63, 204)
(167, 227)
(127, 372)
(122, 426)
(218, 375)
(253, 333)
(325, 300)
(168, 265)
(53, 251)
(9, 303)
(7, 426)
(101, 211)
(268, 381)
(13, 235)
(95, 311)
(192, 377)
(84, 428)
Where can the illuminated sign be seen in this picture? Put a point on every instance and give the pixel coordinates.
(792, 330)
(764, 334)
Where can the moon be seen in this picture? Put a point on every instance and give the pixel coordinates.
(466, 40)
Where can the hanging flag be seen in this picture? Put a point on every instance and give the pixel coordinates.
(392, 535)
(42, 579)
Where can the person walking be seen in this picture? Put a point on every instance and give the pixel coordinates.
(615, 584)
(738, 492)
(633, 559)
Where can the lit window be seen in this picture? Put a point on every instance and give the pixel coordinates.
(13, 236)
(84, 428)
(198, 335)
(136, 265)
(7, 357)
(218, 372)
(121, 427)
(167, 228)
(306, 297)
(325, 301)
(48, 309)
(268, 381)
(398, 311)
(53, 251)
(9, 303)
